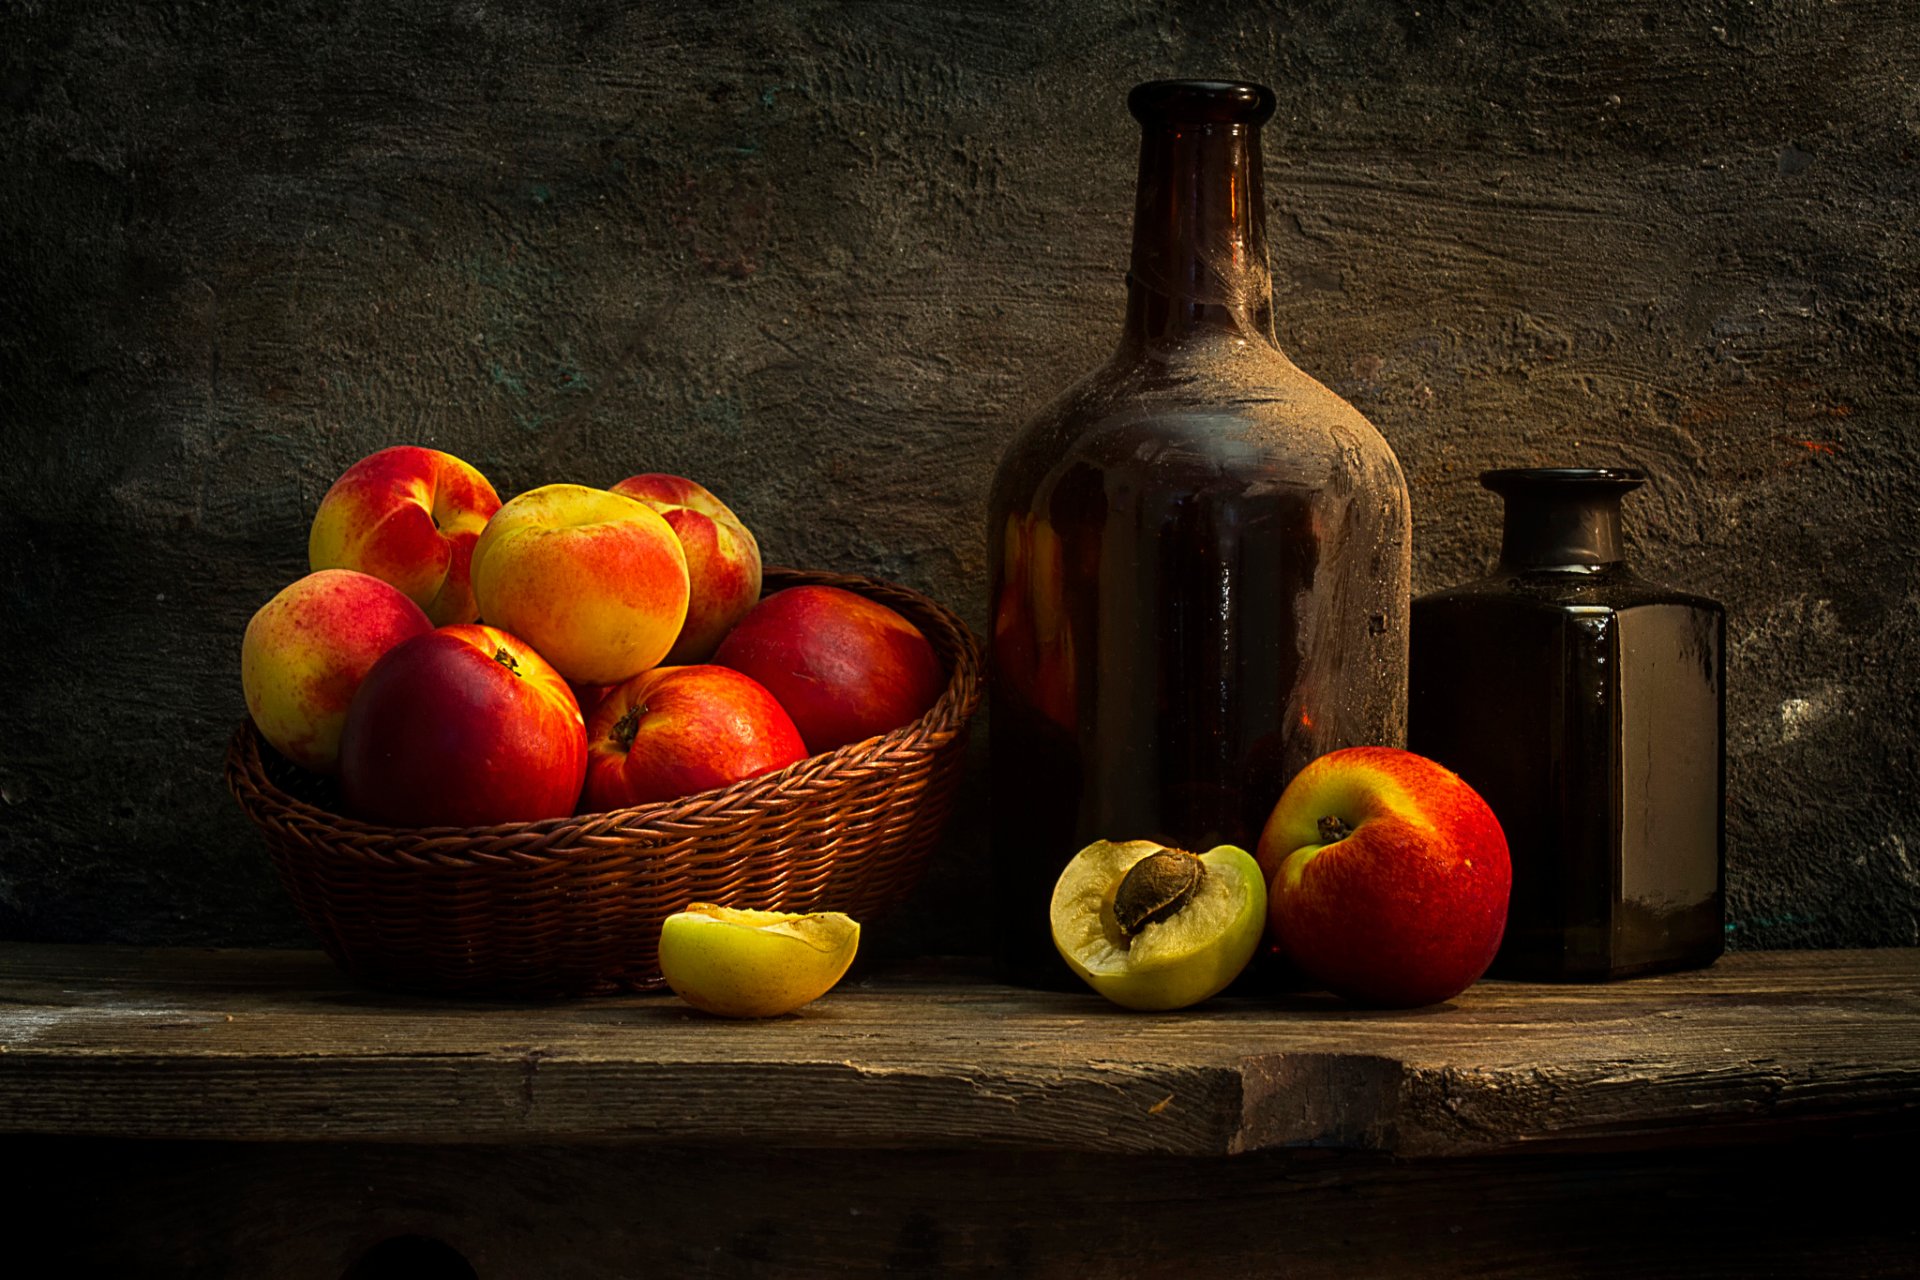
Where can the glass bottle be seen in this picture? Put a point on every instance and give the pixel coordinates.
(1587, 706)
(1199, 555)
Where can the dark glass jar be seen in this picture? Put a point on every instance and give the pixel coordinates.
(1199, 554)
(1588, 707)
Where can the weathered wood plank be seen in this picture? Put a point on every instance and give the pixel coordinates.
(310, 1211)
(262, 1045)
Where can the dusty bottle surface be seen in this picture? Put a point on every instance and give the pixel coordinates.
(1199, 554)
(1587, 706)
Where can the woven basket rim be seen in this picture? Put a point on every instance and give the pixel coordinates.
(946, 719)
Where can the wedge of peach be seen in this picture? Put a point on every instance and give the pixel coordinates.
(754, 964)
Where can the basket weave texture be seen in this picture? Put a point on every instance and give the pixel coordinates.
(573, 906)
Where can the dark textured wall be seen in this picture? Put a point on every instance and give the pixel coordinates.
(825, 257)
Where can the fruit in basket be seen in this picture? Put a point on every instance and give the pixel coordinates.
(845, 667)
(673, 731)
(596, 581)
(754, 964)
(306, 651)
(1389, 877)
(723, 560)
(466, 726)
(1151, 927)
(408, 516)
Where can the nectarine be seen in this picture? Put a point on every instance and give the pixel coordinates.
(1390, 877)
(465, 726)
(674, 731)
(723, 560)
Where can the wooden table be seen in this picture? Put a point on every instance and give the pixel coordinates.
(247, 1113)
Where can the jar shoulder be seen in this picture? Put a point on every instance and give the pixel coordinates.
(1617, 589)
(1230, 413)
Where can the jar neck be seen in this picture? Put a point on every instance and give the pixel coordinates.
(1562, 518)
(1199, 235)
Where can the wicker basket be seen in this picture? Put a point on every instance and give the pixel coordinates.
(573, 906)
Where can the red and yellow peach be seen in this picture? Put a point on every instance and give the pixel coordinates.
(845, 667)
(723, 560)
(465, 726)
(409, 516)
(306, 651)
(1389, 877)
(674, 731)
(596, 581)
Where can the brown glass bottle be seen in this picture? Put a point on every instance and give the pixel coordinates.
(1199, 554)
(1587, 706)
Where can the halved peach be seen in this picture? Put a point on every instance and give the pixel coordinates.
(1150, 927)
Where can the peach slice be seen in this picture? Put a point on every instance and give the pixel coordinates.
(754, 964)
(1150, 927)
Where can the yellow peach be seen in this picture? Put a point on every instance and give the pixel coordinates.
(408, 516)
(306, 651)
(1157, 928)
(754, 964)
(596, 582)
(723, 560)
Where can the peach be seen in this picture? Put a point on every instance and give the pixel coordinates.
(674, 731)
(845, 667)
(596, 581)
(1389, 877)
(1152, 927)
(307, 650)
(754, 964)
(408, 516)
(465, 726)
(723, 560)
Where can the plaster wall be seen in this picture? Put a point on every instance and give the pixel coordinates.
(826, 256)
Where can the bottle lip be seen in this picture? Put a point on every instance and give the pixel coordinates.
(1201, 102)
(1507, 480)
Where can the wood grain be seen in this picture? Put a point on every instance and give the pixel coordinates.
(264, 1045)
(307, 1211)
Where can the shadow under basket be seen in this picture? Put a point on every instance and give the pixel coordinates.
(573, 906)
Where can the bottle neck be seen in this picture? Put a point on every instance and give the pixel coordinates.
(1199, 235)
(1561, 531)
(1562, 517)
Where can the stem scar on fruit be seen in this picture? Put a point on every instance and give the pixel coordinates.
(1332, 829)
(627, 726)
(1155, 888)
(506, 659)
